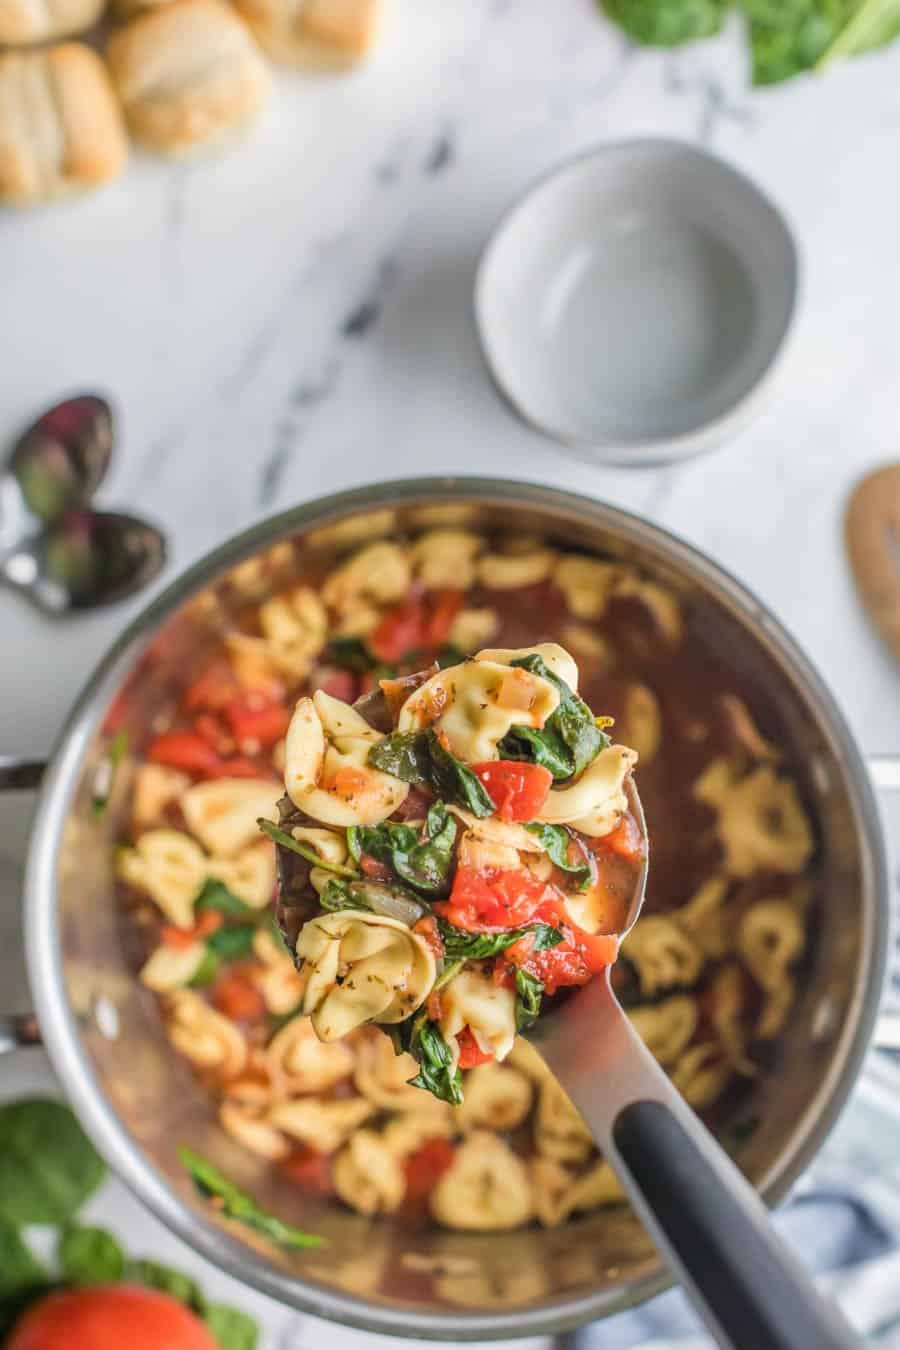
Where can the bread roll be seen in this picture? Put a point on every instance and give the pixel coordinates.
(188, 74)
(60, 125)
(318, 34)
(26, 21)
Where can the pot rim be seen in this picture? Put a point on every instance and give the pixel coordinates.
(59, 1024)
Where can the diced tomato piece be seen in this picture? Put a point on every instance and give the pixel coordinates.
(257, 722)
(237, 997)
(625, 840)
(213, 732)
(371, 867)
(425, 1167)
(239, 767)
(207, 923)
(574, 961)
(427, 929)
(439, 620)
(502, 975)
(434, 1006)
(184, 750)
(485, 899)
(470, 1052)
(212, 690)
(311, 1170)
(518, 790)
(398, 631)
(349, 782)
(336, 682)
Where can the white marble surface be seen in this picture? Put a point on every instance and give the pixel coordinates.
(295, 317)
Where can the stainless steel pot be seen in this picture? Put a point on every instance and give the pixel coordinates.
(139, 1102)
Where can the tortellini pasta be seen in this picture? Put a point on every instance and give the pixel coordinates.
(558, 1193)
(771, 937)
(473, 1000)
(559, 1131)
(666, 1028)
(760, 820)
(641, 725)
(223, 814)
(587, 583)
(323, 1125)
(250, 875)
(701, 1074)
(554, 657)
(383, 1077)
(327, 773)
(155, 789)
(497, 1097)
(474, 705)
(362, 968)
(473, 627)
(243, 1113)
(663, 955)
(172, 967)
(509, 571)
(295, 627)
(170, 867)
(445, 559)
(297, 1061)
(486, 1188)
(379, 572)
(368, 1176)
(278, 980)
(596, 801)
(204, 1036)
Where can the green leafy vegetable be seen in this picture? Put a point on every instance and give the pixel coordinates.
(48, 1166)
(216, 895)
(450, 655)
(556, 840)
(432, 1053)
(19, 1268)
(336, 895)
(233, 1329)
(460, 945)
(350, 653)
(293, 845)
(379, 897)
(529, 993)
(570, 738)
(105, 776)
(155, 1275)
(419, 757)
(90, 1256)
(206, 972)
(231, 942)
(423, 863)
(799, 35)
(238, 1205)
(667, 23)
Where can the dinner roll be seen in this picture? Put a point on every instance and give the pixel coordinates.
(188, 74)
(321, 34)
(26, 21)
(60, 125)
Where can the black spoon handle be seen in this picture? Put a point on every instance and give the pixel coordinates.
(707, 1221)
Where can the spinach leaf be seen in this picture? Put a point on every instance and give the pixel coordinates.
(206, 972)
(427, 864)
(380, 841)
(349, 653)
(48, 1166)
(529, 993)
(450, 655)
(232, 942)
(419, 757)
(798, 35)
(233, 1329)
(570, 737)
(336, 895)
(460, 945)
(667, 23)
(285, 840)
(436, 1072)
(216, 895)
(393, 902)
(155, 1275)
(238, 1205)
(105, 775)
(90, 1256)
(19, 1268)
(556, 840)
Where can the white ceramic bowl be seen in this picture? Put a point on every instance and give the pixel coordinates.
(632, 304)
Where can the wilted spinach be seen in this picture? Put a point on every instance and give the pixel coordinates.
(216, 895)
(529, 993)
(556, 840)
(422, 1038)
(419, 757)
(460, 945)
(422, 862)
(569, 739)
(285, 840)
(238, 1205)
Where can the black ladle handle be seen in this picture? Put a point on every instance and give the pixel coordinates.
(708, 1222)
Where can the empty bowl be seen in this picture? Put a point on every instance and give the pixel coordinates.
(633, 303)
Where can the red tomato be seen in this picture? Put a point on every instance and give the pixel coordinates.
(237, 997)
(184, 750)
(625, 840)
(490, 898)
(208, 922)
(426, 1166)
(213, 732)
(398, 631)
(213, 689)
(428, 930)
(517, 790)
(338, 683)
(103, 1318)
(436, 625)
(257, 722)
(371, 867)
(311, 1170)
(470, 1052)
(239, 767)
(574, 961)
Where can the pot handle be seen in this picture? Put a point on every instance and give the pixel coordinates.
(18, 775)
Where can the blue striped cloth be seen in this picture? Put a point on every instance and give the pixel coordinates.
(843, 1218)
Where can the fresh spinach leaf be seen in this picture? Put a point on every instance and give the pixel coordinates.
(556, 840)
(285, 840)
(799, 35)
(436, 1073)
(231, 942)
(155, 1275)
(231, 1328)
(216, 895)
(349, 653)
(460, 945)
(667, 23)
(90, 1256)
(570, 737)
(238, 1205)
(20, 1270)
(48, 1166)
(529, 993)
(872, 24)
(419, 757)
(426, 865)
